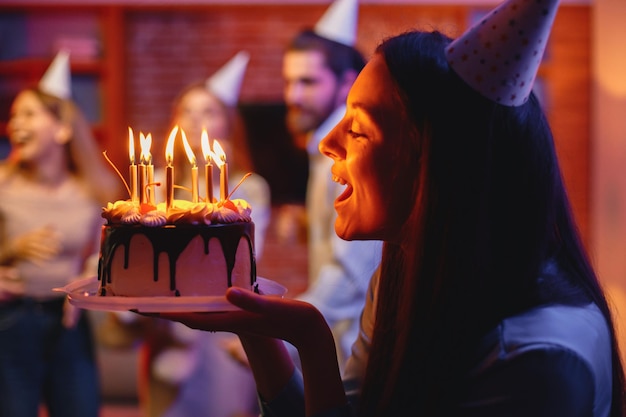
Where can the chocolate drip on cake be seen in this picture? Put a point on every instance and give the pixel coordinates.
(172, 240)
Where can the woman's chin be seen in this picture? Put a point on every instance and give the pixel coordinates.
(342, 231)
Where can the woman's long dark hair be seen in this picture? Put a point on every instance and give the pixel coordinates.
(490, 209)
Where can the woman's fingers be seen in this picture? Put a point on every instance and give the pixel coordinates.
(259, 315)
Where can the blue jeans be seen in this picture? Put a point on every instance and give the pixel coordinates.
(43, 362)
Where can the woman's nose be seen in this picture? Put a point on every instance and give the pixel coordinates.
(331, 145)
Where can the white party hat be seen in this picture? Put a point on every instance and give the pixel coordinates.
(57, 80)
(226, 82)
(499, 57)
(339, 23)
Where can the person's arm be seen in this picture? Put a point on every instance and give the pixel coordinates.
(339, 289)
(260, 323)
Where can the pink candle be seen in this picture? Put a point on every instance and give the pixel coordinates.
(208, 175)
(169, 169)
(169, 186)
(133, 167)
(151, 186)
(208, 168)
(149, 171)
(224, 180)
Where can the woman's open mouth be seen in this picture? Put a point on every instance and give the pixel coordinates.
(346, 192)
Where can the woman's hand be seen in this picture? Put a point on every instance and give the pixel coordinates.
(262, 320)
(36, 246)
(291, 320)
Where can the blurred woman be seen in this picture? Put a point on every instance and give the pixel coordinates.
(52, 188)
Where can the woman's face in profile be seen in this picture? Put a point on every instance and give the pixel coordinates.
(364, 147)
(199, 109)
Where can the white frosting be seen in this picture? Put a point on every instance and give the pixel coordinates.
(153, 218)
(180, 212)
(186, 212)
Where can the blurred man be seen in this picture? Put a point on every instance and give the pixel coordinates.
(319, 67)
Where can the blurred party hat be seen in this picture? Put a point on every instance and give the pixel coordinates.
(339, 23)
(57, 79)
(226, 82)
(499, 57)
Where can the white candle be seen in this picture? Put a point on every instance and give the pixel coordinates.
(208, 168)
(169, 169)
(220, 158)
(194, 183)
(133, 167)
(143, 179)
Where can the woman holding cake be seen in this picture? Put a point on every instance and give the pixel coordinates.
(486, 303)
(52, 188)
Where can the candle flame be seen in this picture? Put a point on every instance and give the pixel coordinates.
(188, 150)
(218, 154)
(145, 142)
(149, 146)
(169, 146)
(206, 148)
(131, 145)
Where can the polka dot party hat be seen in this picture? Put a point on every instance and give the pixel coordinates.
(499, 57)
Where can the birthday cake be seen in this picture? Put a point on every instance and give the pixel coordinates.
(188, 249)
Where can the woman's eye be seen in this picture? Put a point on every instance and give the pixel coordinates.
(354, 134)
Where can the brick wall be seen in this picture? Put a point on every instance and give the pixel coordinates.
(168, 48)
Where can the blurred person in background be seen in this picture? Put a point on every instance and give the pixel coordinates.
(52, 187)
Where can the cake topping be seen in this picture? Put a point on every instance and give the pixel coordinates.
(186, 212)
(154, 218)
(232, 211)
(181, 212)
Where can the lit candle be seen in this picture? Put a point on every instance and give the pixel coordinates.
(133, 167)
(143, 173)
(220, 159)
(169, 169)
(150, 171)
(194, 167)
(208, 168)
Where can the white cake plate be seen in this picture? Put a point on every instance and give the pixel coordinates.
(83, 293)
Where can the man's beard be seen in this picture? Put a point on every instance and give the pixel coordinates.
(301, 121)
